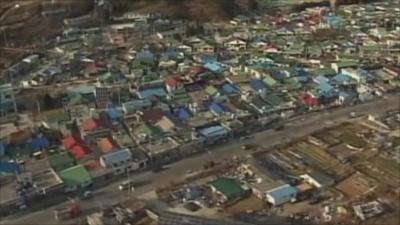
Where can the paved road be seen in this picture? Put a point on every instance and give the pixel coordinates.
(301, 126)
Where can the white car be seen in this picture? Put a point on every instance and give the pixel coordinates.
(125, 185)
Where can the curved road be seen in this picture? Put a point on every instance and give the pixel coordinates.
(300, 126)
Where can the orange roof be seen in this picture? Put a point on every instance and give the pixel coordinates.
(106, 145)
(91, 124)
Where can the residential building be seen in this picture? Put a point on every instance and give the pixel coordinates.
(61, 161)
(75, 177)
(227, 189)
(8, 104)
(121, 161)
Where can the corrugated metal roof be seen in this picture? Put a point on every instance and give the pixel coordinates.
(258, 85)
(117, 156)
(213, 131)
(75, 175)
(283, 191)
(9, 167)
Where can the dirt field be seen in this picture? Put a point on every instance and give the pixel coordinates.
(251, 203)
(356, 185)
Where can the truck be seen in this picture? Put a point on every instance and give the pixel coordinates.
(67, 212)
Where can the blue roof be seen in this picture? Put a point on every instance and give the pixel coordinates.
(214, 67)
(326, 90)
(217, 108)
(145, 55)
(283, 191)
(148, 93)
(230, 89)
(9, 167)
(258, 85)
(214, 131)
(302, 79)
(114, 113)
(184, 114)
(171, 53)
(2, 149)
(321, 79)
(340, 78)
(207, 58)
(278, 75)
(303, 73)
(39, 143)
(333, 20)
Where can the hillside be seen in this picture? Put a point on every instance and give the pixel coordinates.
(200, 10)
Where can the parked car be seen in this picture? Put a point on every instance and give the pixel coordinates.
(125, 185)
(87, 195)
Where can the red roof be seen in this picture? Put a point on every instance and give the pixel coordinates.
(91, 124)
(71, 141)
(196, 69)
(79, 151)
(173, 81)
(76, 146)
(310, 100)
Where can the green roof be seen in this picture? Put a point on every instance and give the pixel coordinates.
(274, 100)
(75, 176)
(180, 95)
(59, 116)
(292, 83)
(228, 187)
(61, 161)
(211, 90)
(151, 130)
(347, 63)
(106, 77)
(268, 80)
(326, 71)
(76, 99)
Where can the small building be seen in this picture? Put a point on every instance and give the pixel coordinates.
(227, 189)
(258, 85)
(8, 104)
(213, 134)
(121, 161)
(75, 177)
(318, 179)
(61, 161)
(136, 105)
(264, 182)
(9, 168)
(236, 45)
(173, 83)
(282, 194)
(106, 145)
